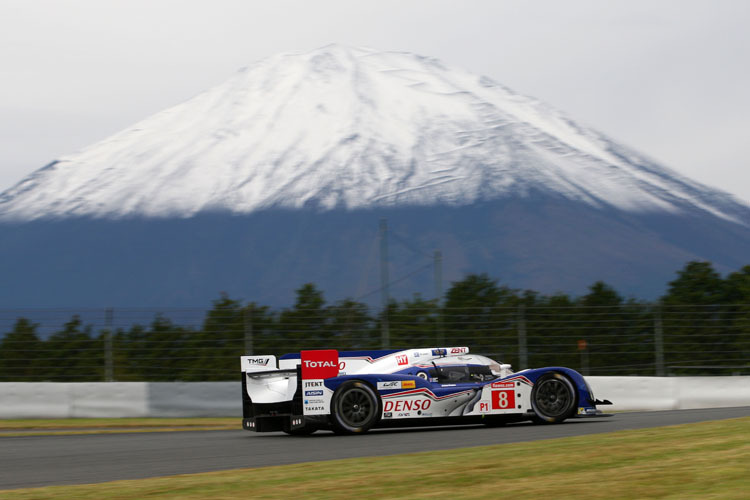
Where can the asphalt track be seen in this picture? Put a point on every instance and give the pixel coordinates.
(75, 459)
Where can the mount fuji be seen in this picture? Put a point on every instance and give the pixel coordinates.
(279, 176)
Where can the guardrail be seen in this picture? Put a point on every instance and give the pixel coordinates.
(222, 399)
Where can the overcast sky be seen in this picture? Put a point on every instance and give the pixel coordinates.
(669, 78)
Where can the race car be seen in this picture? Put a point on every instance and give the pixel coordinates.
(351, 392)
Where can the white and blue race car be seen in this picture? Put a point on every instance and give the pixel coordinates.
(354, 391)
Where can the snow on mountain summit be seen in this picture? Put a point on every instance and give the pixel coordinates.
(342, 127)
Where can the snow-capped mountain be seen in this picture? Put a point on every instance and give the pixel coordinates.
(279, 177)
(351, 128)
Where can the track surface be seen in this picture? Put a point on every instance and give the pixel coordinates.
(75, 459)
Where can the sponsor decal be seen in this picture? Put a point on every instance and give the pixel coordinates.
(404, 414)
(387, 414)
(315, 408)
(416, 354)
(401, 359)
(459, 350)
(503, 400)
(391, 384)
(503, 385)
(314, 401)
(320, 364)
(484, 407)
(407, 404)
(313, 383)
(581, 411)
(408, 384)
(313, 393)
(257, 361)
(439, 352)
(342, 365)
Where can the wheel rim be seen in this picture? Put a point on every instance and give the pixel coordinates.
(355, 407)
(553, 397)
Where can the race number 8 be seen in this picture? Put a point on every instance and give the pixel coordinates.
(503, 400)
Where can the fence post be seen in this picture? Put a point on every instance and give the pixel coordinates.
(658, 342)
(109, 314)
(523, 353)
(248, 320)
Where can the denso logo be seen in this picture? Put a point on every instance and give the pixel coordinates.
(459, 350)
(319, 364)
(313, 393)
(407, 404)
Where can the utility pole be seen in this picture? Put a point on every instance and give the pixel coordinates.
(109, 315)
(384, 279)
(523, 353)
(439, 297)
(658, 342)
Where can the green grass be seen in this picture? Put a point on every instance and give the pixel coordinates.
(705, 460)
(33, 427)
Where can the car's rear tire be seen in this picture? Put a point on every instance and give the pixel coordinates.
(356, 408)
(553, 398)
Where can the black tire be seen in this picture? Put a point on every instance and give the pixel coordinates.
(356, 408)
(553, 399)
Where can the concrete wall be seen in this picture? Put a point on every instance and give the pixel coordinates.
(120, 399)
(671, 393)
(223, 399)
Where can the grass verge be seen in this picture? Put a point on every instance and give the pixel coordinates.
(32, 427)
(705, 460)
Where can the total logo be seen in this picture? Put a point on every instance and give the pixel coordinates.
(407, 404)
(319, 364)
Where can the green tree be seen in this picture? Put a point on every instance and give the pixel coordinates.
(306, 325)
(71, 354)
(20, 353)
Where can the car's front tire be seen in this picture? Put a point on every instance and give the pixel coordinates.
(355, 409)
(553, 398)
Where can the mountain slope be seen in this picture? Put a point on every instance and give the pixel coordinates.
(349, 128)
(279, 177)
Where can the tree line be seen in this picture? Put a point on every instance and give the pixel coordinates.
(701, 325)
